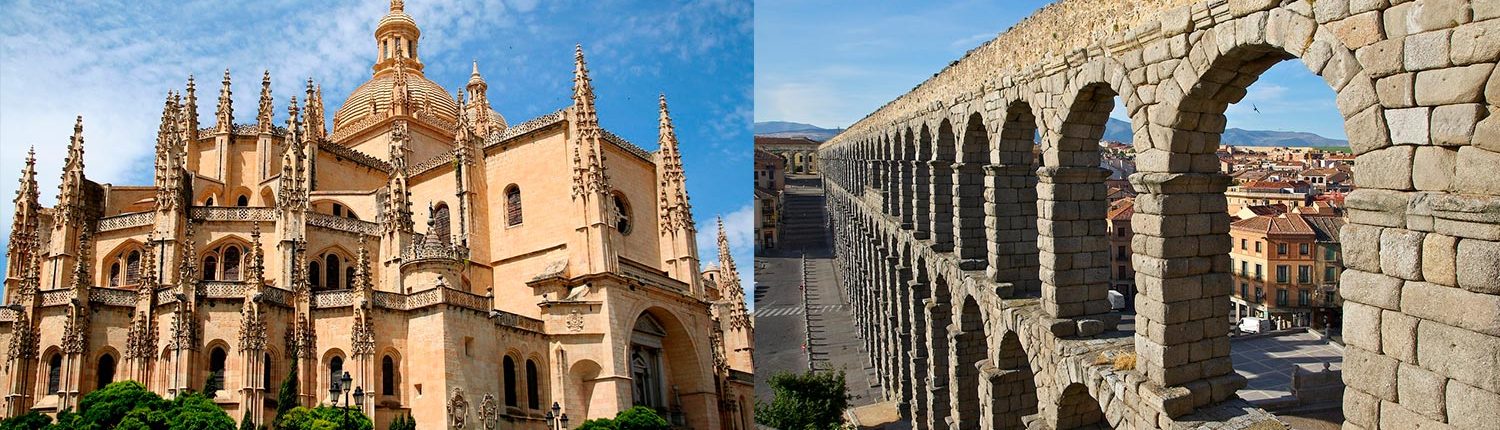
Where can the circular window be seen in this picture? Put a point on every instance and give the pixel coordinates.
(622, 214)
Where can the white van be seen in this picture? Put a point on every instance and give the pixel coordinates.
(1255, 325)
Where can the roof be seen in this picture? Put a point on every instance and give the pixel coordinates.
(1122, 209)
(799, 140)
(1283, 224)
(1326, 227)
(1276, 209)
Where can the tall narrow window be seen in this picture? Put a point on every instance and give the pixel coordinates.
(335, 370)
(54, 374)
(114, 274)
(209, 202)
(387, 376)
(314, 274)
(331, 271)
(232, 263)
(215, 381)
(133, 268)
(510, 381)
(105, 374)
(349, 277)
(265, 371)
(210, 268)
(440, 223)
(533, 386)
(513, 205)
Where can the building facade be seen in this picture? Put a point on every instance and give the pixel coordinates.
(459, 268)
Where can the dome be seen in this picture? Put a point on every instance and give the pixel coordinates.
(375, 95)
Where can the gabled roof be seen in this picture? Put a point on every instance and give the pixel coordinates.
(1279, 225)
(1326, 227)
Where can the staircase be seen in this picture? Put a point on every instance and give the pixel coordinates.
(802, 219)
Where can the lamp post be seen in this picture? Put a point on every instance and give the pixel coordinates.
(556, 421)
(341, 386)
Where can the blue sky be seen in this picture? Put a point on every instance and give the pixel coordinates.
(829, 63)
(113, 61)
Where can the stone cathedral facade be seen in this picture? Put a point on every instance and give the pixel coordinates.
(459, 268)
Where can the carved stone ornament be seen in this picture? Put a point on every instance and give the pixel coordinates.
(458, 409)
(575, 321)
(364, 335)
(488, 412)
(141, 342)
(252, 329)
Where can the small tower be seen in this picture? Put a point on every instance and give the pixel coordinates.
(76, 210)
(223, 129)
(734, 317)
(24, 230)
(679, 233)
(598, 235)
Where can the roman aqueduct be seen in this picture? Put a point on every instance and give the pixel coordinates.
(979, 274)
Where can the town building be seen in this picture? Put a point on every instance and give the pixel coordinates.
(459, 267)
(799, 153)
(1276, 262)
(770, 184)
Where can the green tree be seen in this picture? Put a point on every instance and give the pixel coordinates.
(402, 422)
(325, 418)
(194, 411)
(807, 401)
(599, 424)
(286, 397)
(640, 418)
(30, 421)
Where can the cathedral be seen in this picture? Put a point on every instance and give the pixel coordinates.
(450, 265)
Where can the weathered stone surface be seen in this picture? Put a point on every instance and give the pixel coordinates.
(1452, 85)
(1472, 408)
(1422, 392)
(1371, 289)
(1381, 58)
(1478, 266)
(1487, 131)
(1408, 126)
(1439, 252)
(1401, 253)
(1475, 171)
(1470, 357)
(1388, 168)
(1360, 408)
(1476, 43)
(1370, 372)
(1398, 336)
(1361, 245)
(1432, 168)
(1362, 326)
(1454, 124)
(1394, 416)
(1396, 91)
(1436, 302)
(1435, 14)
(1367, 131)
(1426, 51)
(1395, 18)
(1358, 30)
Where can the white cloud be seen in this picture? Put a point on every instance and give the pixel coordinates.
(739, 227)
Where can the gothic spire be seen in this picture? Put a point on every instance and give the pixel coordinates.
(588, 157)
(225, 113)
(263, 117)
(676, 210)
(289, 187)
(257, 257)
(70, 192)
(190, 111)
(24, 223)
(313, 113)
(729, 283)
(169, 154)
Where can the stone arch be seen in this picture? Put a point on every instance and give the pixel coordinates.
(969, 354)
(391, 376)
(332, 366)
(583, 375)
(106, 366)
(224, 259)
(684, 371)
(330, 267)
(1071, 210)
(1077, 409)
(122, 265)
(1013, 387)
(945, 157)
(908, 158)
(1013, 201)
(267, 197)
(939, 318)
(921, 173)
(969, 173)
(216, 368)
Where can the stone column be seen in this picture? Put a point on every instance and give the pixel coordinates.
(941, 218)
(876, 169)
(893, 187)
(939, 314)
(922, 200)
(918, 356)
(968, 216)
(899, 275)
(905, 204)
(1010, 226)
(1074, 249)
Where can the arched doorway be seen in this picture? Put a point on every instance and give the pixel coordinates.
(666, 373)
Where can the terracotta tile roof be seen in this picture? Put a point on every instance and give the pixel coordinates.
(799, 140)
(1279, 225)
(1272, 210)
(1326, 227)
(1122, 209)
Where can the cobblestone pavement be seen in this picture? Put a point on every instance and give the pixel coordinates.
(1267, 363)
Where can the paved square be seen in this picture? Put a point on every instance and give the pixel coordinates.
(1267, 363)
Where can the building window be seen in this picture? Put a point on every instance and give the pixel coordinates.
(622, 214)
(1244, 290)
(533, 386)
(1257, 247)
(106, 371)
(1260, 294)
(232, 263)
(1257, 272)
(114, 274)
(513, 206)
(243, 201)
(133, 268)
(265, 371)
(1328, 298)
(510, 381)
(440, 223)
(314, 274)
(1330, 274)
(387, 376)
(1243, 245)
(1281, 249)
(335, 370)
(1244, 268)
(54, 374)
(210, 268)
(1283, 273)
(1329, 254)
(1302, 249)
(1304, 274)
(215, 372)
(1280, 297)
(1303, 297)
(331, 271)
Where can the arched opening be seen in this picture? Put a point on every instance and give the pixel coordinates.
(232, 263)
(209, 201)
(647, 381)
(133, 268)
(622, 214)
(315, 275)
(509, 369)
(331, 271)
(939, 316)
(1014, 202)
(216, 364)
(54, 374)
(1076, 409)
(441, 223)
(104, 373)
(1072, 208)
(943, 177)
(1013, 388)
(513, 205)
(969, 349)
(387, 376)
(533, 386)
(242, 201)
(210, 268)
(665, 369)
(335, 371)
(922, 185)
(973, 158)
(114, 274)
(265, 372)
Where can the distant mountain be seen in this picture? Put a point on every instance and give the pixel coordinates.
(1118, 130)
(794, 129)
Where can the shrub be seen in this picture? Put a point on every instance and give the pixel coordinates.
(30, 421)
(324, 418)
(808, 401)
(640, 418)
(599, 424)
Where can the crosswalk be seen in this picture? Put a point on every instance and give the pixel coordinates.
(781, 311)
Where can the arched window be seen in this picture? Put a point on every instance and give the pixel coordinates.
(209, 201)
(242, 201)
(210, 268)
(265, 372)
(513, 206)
(335, 370)
(440, 223)
(533, 386)
(387, 376)
(133, 268)
(105, 374)
(54, 374)
(232, 263)
(349, 277)
(114, 274)
(331, 271)
(622, 214)
(215, 372)
(510, 381)
(314, 274)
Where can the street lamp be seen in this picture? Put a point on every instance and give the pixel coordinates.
(341, 386)
(556, 421)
